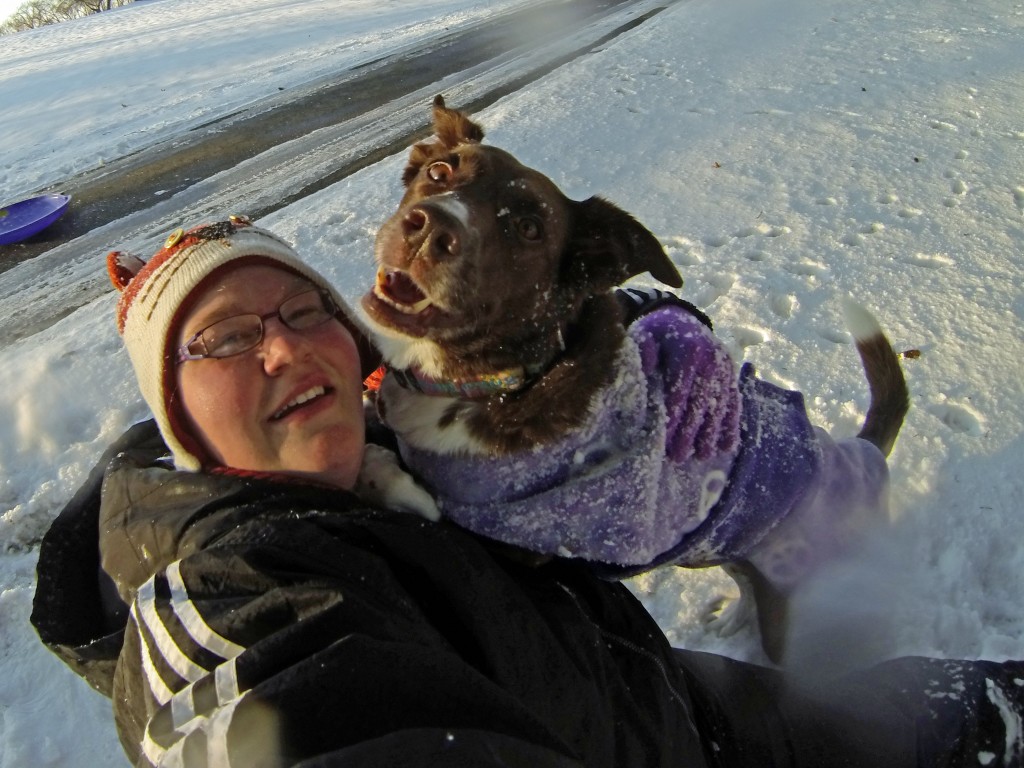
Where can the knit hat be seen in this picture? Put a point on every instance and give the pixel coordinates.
(156, 295)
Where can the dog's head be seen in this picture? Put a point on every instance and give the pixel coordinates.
(486, 263)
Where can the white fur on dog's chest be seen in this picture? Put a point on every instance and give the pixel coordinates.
(424, 421)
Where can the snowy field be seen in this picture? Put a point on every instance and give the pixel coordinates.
(787, 153)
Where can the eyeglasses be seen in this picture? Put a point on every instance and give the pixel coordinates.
(235, 335)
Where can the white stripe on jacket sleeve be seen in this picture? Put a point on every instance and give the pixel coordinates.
(145, 602)
(192, 621)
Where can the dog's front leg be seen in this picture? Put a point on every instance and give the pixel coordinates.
(758, 601)
(383, 482)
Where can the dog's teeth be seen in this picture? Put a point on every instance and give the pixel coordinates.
(408, 309)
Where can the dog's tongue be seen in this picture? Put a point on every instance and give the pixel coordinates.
(398, 287)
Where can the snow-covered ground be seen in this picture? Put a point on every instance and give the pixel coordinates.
(787, 153)
(76, 95)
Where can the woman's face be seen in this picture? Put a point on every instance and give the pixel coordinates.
(246, 409)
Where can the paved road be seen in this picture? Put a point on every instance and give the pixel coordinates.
(288, 147)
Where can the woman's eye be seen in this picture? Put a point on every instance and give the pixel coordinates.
(440, 172)
(233, 339)
(529, 228)
(307, 317)
(305, 310)
(231, 336)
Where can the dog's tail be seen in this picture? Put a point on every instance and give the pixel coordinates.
(890, 398)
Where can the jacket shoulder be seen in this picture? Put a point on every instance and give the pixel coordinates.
(75, 608)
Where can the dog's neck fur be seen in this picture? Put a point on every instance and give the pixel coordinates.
(468, 371)
(482, 385)
(556, 401)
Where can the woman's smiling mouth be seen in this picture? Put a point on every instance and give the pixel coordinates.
(311, 394)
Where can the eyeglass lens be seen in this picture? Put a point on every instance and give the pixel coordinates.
(234, 335)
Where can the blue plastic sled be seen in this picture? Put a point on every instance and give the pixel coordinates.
(21, 220)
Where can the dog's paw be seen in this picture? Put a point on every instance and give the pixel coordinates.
(383, 482)
(731, 614)
(728, 615)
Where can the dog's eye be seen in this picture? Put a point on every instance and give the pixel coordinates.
(440, 172)
(529, 228)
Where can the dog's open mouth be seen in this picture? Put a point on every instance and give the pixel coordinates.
(399, 304)
(396, 289)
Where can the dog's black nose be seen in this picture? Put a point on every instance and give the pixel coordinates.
(429, 231)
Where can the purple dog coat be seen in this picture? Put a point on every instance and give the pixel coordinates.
(679, 461)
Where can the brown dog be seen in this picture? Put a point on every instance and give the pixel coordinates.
(509, 278)
(494, 312)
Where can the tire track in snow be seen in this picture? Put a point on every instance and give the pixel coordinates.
(39, 292)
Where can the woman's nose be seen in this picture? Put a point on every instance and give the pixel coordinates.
(280, 346)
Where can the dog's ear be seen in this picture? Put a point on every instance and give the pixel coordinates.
(451, 128)
(608, 246)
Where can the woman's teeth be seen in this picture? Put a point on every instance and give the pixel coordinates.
(305, 397)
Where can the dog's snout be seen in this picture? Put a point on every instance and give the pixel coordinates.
(429, 231)
(415, 221)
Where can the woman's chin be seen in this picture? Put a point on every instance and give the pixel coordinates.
(330, 459)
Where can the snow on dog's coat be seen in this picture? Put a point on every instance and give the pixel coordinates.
(541, 417)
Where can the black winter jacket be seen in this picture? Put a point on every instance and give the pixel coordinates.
(249, 622)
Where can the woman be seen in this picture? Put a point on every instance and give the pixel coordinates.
(243, 607)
